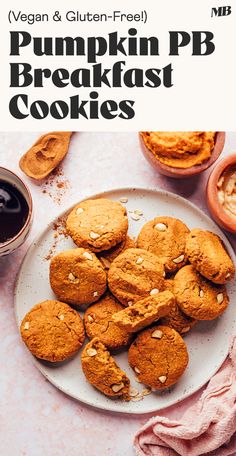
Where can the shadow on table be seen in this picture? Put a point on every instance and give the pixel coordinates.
(185, 187)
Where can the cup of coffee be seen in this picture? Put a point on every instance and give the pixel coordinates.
(15, 211)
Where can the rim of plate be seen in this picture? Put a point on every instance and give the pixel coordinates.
(36, 362)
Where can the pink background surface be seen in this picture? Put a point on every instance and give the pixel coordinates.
(35, 418)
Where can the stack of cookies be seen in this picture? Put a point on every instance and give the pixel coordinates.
(141, 295)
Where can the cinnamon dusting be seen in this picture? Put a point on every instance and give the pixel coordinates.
(45, 154)
(59, 228)
(56, 185)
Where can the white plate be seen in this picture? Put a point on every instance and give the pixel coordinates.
(208, 343)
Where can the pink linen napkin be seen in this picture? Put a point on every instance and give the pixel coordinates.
(207, 428)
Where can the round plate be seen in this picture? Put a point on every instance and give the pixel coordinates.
(208, 343)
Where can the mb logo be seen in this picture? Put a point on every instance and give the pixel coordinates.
(221, 11)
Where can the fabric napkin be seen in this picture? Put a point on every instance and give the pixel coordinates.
(208, 427)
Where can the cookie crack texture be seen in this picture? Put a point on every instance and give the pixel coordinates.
(101, 225)
(54, 331)
(160, 361)
(102, 371)
(168, 245)
(130, 281)
(102, 324)
(76, 279)
(208, 255)
(197, 296)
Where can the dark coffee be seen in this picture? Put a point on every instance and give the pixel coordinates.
(14, 211)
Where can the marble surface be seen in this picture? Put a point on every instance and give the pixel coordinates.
(35, 418)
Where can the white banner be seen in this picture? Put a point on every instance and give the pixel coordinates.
(109, 66)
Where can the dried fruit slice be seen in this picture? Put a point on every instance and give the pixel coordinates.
(46, 154)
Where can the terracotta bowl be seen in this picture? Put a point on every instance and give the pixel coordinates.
(15, 242)
(217, 212)
(179, 173)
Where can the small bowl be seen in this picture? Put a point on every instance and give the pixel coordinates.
(15, 242)
(215, 208)
(179, 173)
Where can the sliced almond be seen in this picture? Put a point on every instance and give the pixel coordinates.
(130, 303)
(26, 325)
(139, 260)
(162, 378)
(118, 387)
(138, 212)
(105, 262)
(133, 392)
(201, 293)
(91, 352)
(220, 298)
(221, 197)
(71, 277)
(61, 317)
(124, 200)
(220, 181)
(135, 217)
(146, 391)
(157, 334)
(95, 293)
(88, 256)
(136, 369)
(94, 235)
(161, 227)
(228, 275)
(137, 398)
(178, 259)
(186, 329)
(154, 291)
(90, 318)
(164, 274)
(79, 211)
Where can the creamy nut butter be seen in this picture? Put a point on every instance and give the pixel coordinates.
(226, 187)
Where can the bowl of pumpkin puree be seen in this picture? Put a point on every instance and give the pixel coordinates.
(181, 154)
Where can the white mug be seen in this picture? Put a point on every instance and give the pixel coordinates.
(12, 244)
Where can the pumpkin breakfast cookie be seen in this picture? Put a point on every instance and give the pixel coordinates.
(77, 277)
(208, 255)
(144, 312)
(98, 321)
(198, 297)
(102, 372)
(107, 256)
(52, 331)
(135, 274)
(158, 356)
(97, 224)
(166, 238)
(176, 318)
